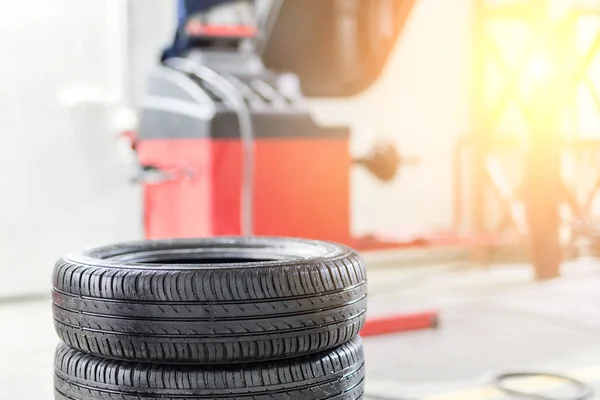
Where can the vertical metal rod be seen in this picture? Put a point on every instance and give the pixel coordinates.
(481, 132)
(457, 184)
(542, 176)
(267, 14)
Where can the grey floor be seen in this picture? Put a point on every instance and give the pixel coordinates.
(493, 320)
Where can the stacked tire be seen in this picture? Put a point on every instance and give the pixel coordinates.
(221, 318)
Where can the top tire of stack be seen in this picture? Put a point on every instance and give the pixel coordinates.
(209, 301)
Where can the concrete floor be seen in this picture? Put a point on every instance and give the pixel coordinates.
(493, 320)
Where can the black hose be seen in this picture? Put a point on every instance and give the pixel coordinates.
(501, 382)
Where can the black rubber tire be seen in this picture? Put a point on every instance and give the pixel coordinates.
(133, 302)
(335, 374)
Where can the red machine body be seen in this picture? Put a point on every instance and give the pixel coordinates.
(301, 187)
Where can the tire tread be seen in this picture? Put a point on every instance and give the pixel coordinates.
(210, 315)
(336, 374)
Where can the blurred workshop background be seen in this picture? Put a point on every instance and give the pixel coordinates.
(473, 187)
(75, 66)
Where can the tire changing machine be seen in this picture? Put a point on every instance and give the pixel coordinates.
(228, 147)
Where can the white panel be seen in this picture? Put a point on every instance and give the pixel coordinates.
(63, 183)
(422, 104)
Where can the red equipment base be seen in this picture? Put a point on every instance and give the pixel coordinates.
(301, 187)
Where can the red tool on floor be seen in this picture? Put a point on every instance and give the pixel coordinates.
(397, 323)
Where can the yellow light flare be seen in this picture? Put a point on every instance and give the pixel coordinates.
(524, 60)
(540, 67)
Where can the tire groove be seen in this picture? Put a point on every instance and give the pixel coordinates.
(213, 319)
(237, 335)
(211, 302)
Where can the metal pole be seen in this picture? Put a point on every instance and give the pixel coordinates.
(542, 177)
(481, 131)
(267, 12)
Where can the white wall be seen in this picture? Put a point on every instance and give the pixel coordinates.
(63, 185)
(152, 27)
(422, 104)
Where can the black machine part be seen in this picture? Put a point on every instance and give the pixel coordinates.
(218, 300)
(385, 161)
(338, 48)
(503, 383)
(335, 374)
(275, 101)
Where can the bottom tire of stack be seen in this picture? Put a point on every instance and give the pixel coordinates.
(335, 374)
